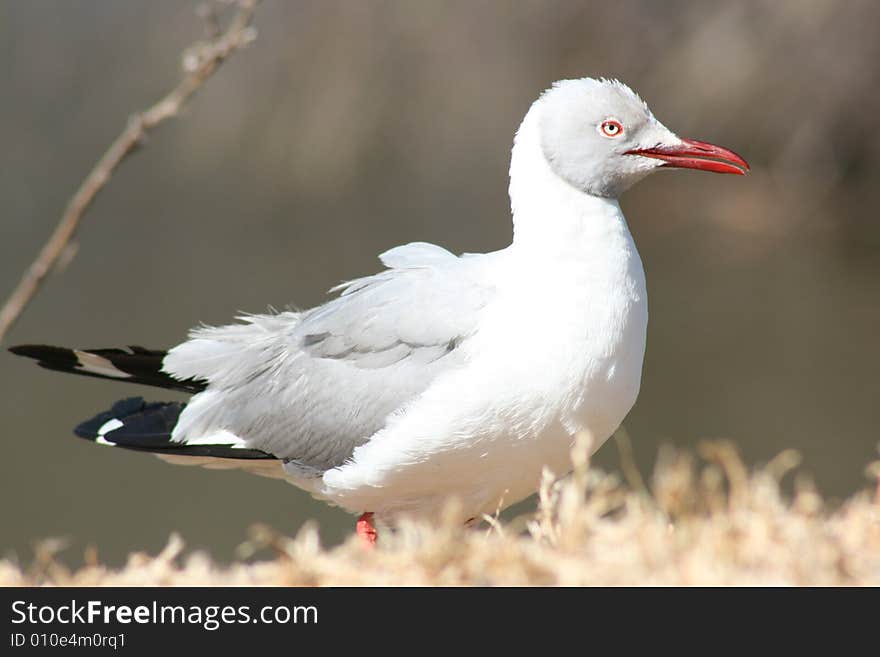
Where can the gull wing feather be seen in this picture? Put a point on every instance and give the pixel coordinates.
(311, 386)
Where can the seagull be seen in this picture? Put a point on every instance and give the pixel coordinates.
(441, 376)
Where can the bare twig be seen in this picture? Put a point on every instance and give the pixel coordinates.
(200, 61)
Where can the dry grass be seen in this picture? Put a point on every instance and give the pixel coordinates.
(706, 522)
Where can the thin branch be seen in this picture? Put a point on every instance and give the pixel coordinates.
(200, 61)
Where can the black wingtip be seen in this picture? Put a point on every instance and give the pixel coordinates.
(44, 352)
(52, 358)
(122, 408)
(147, 426)
(28, 350)
(133, 365)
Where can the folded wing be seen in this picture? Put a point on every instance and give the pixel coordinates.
(309, 387)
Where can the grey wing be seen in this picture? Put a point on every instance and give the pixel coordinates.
(309, 387)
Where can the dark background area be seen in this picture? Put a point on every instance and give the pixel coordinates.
(351, 127)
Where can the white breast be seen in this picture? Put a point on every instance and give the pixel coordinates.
(558, 351)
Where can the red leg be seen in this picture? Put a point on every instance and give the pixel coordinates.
(366, 530)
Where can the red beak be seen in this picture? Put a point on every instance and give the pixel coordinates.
(693, 154)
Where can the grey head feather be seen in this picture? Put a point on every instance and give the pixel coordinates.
(571, 115)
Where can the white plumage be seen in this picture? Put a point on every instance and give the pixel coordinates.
(446, 376)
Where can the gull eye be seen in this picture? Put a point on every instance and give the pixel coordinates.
(611, 128)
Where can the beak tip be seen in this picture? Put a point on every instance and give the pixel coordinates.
(693, 154)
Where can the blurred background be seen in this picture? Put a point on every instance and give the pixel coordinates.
(349, 127)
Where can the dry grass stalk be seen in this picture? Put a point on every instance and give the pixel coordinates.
(706, 523)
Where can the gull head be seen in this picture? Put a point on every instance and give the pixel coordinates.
(601, 138)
